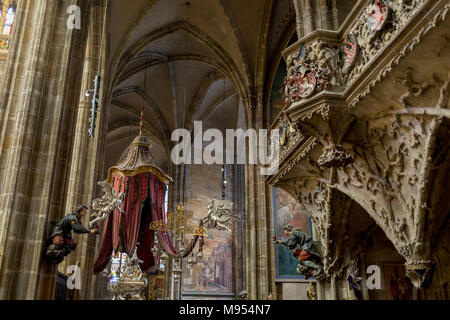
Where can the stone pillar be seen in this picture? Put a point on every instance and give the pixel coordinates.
(334, 15)
(87, 154)
(312, 15)
(251, 254)
(299, 20)
(261, 240)
(325, 22)
(239, 254)
(38, 106)
(308, 24)
(259, 255)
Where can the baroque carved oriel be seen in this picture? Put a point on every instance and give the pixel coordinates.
(374, 131)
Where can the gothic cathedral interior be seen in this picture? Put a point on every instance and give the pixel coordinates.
(224, 150)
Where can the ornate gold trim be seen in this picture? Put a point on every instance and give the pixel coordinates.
(164, 178)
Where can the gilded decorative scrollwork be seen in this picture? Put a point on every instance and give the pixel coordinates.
(219, 215)
(177, 223)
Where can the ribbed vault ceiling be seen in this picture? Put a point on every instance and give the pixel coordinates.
(198, 59)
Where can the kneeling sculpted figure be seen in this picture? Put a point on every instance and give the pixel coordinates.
(102, 207)
(61, 242)
(302, 246)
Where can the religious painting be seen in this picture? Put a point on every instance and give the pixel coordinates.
(211, 275)
(286, 211)
(398, 285)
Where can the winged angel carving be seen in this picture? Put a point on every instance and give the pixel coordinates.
(219, 214)
(102, 207)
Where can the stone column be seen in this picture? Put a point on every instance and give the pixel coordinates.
(251, 255)
(3, 52)
(312, 15)
(324, 15)
(37, 110)
(87, 154)
(299, 20)
(258, 223)
(335, 15)
(238, 199)
(308, 17)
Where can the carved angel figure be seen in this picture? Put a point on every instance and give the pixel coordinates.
(102, 207)
(219, 214)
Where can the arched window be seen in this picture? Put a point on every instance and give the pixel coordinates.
(9, 20)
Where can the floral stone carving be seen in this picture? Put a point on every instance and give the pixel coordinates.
(334, 157)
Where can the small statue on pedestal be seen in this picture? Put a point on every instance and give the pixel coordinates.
(61, 242)
(301, 244)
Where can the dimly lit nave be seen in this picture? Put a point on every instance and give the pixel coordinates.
(224, 150)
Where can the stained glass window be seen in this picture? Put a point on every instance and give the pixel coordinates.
(9, 20)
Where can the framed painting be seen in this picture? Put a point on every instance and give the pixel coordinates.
(212, 275)
(286, 210)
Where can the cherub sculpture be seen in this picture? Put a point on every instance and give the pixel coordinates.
(219, 214)
(102, 207)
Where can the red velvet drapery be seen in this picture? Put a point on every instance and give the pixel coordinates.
(123, 231)
(143, 203)
(158, 191)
